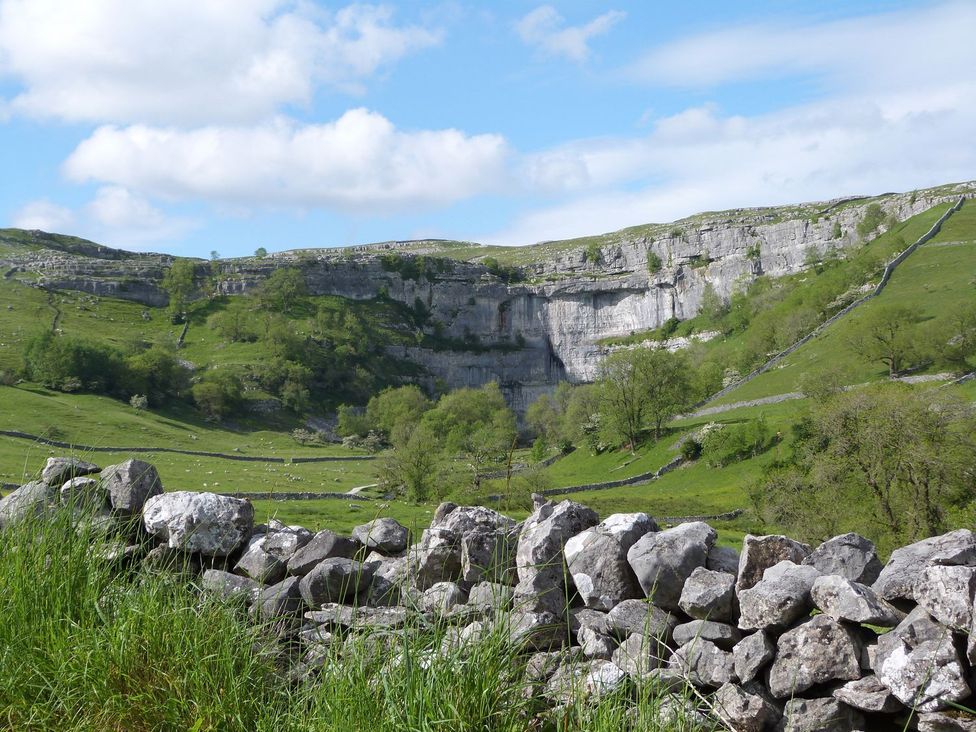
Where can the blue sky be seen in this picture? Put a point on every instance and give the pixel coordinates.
(198, 125)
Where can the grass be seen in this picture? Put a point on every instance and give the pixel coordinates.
(86, 645)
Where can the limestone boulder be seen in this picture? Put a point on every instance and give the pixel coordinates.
(323, 545)
(779, 599)
(58, 470)
(820, 715)
(335, 580)
(897, 579)
(703, 664)
(752, 654)
(664, 560)
(230, 586)
(199, 522)
(947, 595)
(869, 695)
(261, 566)
(709, 595)
(849, 555)
(279, 600)
(721, 634)
(640, 654)
(30, 499)
(130, 485)
(742, 711)
(818, 651)
(759, 553)
(843, 599)
(386, 535)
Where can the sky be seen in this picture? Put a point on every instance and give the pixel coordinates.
(193, 126)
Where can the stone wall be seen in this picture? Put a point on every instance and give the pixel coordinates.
(775, 635)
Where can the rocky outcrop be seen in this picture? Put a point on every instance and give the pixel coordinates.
(777, 645)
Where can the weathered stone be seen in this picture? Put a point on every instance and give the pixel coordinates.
(849, 555)
(335, 580)
(722, 635)
(30, 499)
(347, 617)
(489, 556)
(843, 599)
(759, 553)
(584, 617)
(663, 560)
(947, 594)
(383, 534)
(130, 485)
(638, 616)
(597, 559)
(283, 542)
(709, 595)
(742, 711)
(640, 654)
(869, 695)
(199, 522)
(703, 663)
(595, 644)
(230, 586)
(539, 556)
(584, 680)
(259, 565)
(723, 559)
(897, 579)
(540, 666)
(752, 654)
(492, 595)
(442, 598)
(820, 715)
(84, 493)
(677, 712)
(324, 545)
(817, 651)
(948, 721)
(284, 598)
(779, 599)
(918, 661)
(58, 470)
(537, 631)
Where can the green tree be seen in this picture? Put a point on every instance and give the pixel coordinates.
(955, 339)
(836, 232)
(214, 255)
(282, 289)
(654, 263)
(869, 223)
(712, 305)
(416, 466)
(157, 373)
(178, 282)
(888, 334)
(897, 460)
(218, 393)
(260, 252)
(397, 411)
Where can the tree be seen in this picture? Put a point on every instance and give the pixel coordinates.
(416, 466)
(873, 216)
(955, 340)
(888, 334)
(178, 282)
(214, 254)
(896, 460)
(260, 252)
(712, 305)
(654, 263)
(282, 289)
(217, 394)
(396, 411)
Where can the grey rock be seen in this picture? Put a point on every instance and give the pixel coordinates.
(779, 599)
(640, 654)
(285, 541)
(703, 663)
(639, 616)
(752, 654)
(897, 579)
(723, 559)
(541, 665)
(818, 651)
(335, 580)
(324, 545)
(469, 542)
(491, 595)
(949, 721)
(58, 470)
(489, 556)
(282, 599)
(742, 711)
(536, 631)
(442, 597)
(820, 715)
(230, 586)
(259, 565)
(383, 534)
(539, 557)
(678, 712)
(584, 680)
(947, 594)
(84, 493)
(843, 599)
(850, 555)
(918, 661)
(759, 553)
(130, 485)
(30, 499)
(198, 522)
(595, 644)
(869, 695)
(584, 617)
(722, 635)
(346, 617)
(709, 595)
(663, 560)
(597, 559)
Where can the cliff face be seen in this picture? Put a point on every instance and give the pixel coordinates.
(544, 329)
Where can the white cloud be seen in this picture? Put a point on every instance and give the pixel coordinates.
(359, 163)
(119, 208)
(44, 215)
(544, 28)
(190, 61)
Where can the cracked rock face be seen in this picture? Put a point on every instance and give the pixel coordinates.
(130, 485)
(897, 579)
(323, 545)
(703, 663)
(779, 599)
(709, 595)
(335, 580)
(383, 534)
(742, 711)
(919, 662)
(817, 651)
(947, 594)
(820, 715)
(664, 560)
(58, 470)
(869, 695)
(845, 600)
(752, 654)
(30, 499)
(759, 553)
(597, 559)
(849, 555)
(199, 522)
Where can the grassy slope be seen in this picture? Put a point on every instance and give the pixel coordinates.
(933, 279)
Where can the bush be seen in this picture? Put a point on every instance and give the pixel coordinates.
(218, 394)
(691, 449)
(732, 443)
(654, 263)
(139, 401)
(593, 253)
(873, 216)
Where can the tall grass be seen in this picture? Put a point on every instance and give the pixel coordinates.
(86, 644)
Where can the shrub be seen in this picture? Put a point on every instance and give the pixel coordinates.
(736, 442)
(691, 449)
(873, 216)
(654, 263)
(593, 253)
(139, 401)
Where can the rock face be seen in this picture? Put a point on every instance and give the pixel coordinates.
(759, 553)
(58, 470)
(597, 559)
(663, 560)
(843, 599)
(384, 535)
(29, 499)
(818, 651)
(199, 522)
(779, 599)
(709, 595)
(897, 579)
(849, 555)
(130, 485)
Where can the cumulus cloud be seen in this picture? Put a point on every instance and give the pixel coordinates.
(545, 29)
(187, 61)
(359, 163)
(44, 215)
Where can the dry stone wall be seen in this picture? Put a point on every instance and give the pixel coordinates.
(778, 635)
